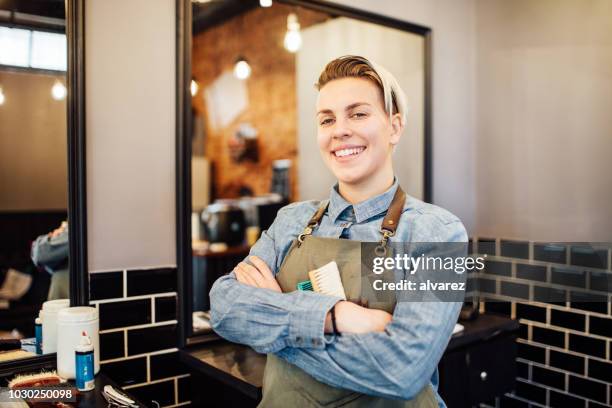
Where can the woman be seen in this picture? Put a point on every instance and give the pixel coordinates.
(323, 351)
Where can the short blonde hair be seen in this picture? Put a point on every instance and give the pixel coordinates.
(354, 66)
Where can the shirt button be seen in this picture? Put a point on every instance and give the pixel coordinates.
(298, 339)
(316, 342)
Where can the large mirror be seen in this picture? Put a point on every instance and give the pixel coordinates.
(253, 127)
(37, 160)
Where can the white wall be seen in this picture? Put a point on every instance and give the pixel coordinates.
(544, 130)
(130, 103)
(453, 55)
(398, 51)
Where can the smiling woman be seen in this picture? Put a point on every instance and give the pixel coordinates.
(384, 360)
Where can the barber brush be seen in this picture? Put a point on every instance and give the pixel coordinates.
(326, 280)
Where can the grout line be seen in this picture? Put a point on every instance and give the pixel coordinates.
(180, 404)
(127, 387)
(124, 283)
(148, 369)
(176, 391)
(152, 353)
(125, 343)
(153, 319)
(139, 297)
(141, 326)
(554, 348)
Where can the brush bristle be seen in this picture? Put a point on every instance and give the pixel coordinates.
(35, 380)
(326, 280)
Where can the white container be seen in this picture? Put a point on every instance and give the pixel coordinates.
(71, 323)
(48, 315)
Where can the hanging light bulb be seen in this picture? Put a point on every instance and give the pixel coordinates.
(58, 91)
(194, 87)
(242, 69)
(293, 38)
(265, 3)
(2, 98)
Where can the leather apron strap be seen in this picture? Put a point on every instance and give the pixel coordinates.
(387, 228)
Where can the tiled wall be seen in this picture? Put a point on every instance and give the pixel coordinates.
(561, 296)
(139, 333)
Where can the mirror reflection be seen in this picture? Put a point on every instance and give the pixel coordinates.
(254, 120)
(33, 171)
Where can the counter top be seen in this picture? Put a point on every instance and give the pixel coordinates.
(242, 368)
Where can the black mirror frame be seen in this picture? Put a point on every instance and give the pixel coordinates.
(77, 193)
(183, 135)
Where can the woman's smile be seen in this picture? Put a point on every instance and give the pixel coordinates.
(347, 153)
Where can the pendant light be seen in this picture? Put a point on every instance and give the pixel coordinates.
(193, 87)
(293, 38)
(2, 98)
(265, 3)
(58, 91)
(242, 69)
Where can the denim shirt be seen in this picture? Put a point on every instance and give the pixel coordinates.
(396, 363)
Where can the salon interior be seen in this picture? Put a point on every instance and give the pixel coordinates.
(145, 146)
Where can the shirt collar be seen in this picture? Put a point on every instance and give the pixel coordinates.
(363, 210)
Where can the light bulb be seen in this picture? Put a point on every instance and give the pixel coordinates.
(58, 91)
(2, 98)
(242, 69)
(193, 87)
(293, 41)
(265, 3)
(293, 38)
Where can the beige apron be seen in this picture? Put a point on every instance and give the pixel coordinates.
(286, 385)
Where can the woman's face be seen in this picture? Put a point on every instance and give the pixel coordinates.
(355, 135)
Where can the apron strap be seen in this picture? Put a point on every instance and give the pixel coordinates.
(387, 228)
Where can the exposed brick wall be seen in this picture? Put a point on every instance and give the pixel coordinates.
(258, 36)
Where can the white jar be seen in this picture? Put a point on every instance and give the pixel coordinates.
(48, 315)
(71, 323)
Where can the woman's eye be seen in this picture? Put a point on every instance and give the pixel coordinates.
(326, 121)
(359, 115)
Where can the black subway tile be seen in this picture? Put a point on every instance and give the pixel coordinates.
(152, 339)
(587, 388)
(155, 395)
(553, 253)
(568, 362)
(600, 370)
(546, 294)
(165, 308)
(569, 320)
(514, 249)
(149, 281)
(112, 345)
(498, 307)
(531, 272)
(587, 345)
(562, 400)
(593, 404)
(184, 389)
(166, 365)
(486, 246)
(522, 370)
(507, 401)
(589, 301)
(486, 285)
(531, 392)
(125, 313)
(568, 277)
(554, 379)
(530, 312)
(498, 268)
(588, 256)
(516, 290)
(600, 326)
(548, 336)
(601, 281)
(105, 285)
(523, 332)
(531, 353)
(127, 372)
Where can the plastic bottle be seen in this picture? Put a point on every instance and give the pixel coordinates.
(84, 363)
(38, 334)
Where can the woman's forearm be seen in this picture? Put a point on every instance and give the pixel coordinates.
(352, 318)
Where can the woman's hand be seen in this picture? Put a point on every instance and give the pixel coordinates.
(257, 275)
(352, 318)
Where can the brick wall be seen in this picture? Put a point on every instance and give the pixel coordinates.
(561, 296)
(139, 333)
(258, 36)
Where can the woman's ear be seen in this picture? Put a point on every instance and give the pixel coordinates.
(397, 127)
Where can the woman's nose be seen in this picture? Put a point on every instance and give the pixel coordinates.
(341, 129)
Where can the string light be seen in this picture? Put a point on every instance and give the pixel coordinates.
(293, 38)
(242, 69)
(58, 92)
